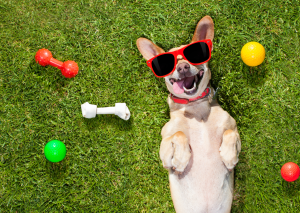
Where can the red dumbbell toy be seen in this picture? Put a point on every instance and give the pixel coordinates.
(69, 69)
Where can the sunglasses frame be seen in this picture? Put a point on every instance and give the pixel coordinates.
(180, 52)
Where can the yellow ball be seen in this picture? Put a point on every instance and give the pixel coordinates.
(253, 54)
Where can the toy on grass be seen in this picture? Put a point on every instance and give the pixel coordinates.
(253, 54)
(55, 151)
(290, 171)
(120, 109)
(69, 69)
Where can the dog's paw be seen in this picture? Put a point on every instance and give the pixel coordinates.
(229, 157)
(175, 152)
(229, 149)
(182, 153)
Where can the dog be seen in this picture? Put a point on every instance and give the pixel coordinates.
(200, 144)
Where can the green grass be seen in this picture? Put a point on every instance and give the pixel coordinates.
(113, 165)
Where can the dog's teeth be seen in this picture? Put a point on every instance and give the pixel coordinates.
(196, 78)
(187, 90)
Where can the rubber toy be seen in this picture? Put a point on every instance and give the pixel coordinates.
(69, 69)
(55, 151)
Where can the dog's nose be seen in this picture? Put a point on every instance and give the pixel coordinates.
(183, 67)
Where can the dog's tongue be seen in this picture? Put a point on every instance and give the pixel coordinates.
(178, 85)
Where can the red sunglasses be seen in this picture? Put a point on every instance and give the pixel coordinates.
(196, 53)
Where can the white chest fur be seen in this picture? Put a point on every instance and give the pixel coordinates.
(206, 185)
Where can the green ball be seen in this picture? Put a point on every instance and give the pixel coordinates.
(55, 151)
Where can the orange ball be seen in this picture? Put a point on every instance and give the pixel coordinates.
(253, 54)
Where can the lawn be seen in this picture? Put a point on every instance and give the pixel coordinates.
(113, 165)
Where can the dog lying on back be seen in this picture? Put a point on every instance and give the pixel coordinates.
(200, 144)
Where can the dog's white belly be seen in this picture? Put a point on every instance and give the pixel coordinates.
(206, 185)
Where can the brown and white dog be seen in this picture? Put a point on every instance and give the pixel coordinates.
(200, 144)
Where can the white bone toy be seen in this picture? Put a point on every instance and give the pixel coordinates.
(120, 109)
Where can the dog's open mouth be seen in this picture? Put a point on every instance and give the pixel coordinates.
(187, 85)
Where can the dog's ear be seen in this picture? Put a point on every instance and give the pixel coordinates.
(204, 29)
(148, 48)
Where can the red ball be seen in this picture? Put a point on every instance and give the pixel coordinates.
(290, 172)
(69, 69)
(43, 57)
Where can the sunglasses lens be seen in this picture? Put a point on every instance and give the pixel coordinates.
(163, 64)
(197, 53)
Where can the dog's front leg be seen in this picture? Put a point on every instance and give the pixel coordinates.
(230, 148)
(175, 152)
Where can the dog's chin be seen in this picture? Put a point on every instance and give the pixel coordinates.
(188, 87)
